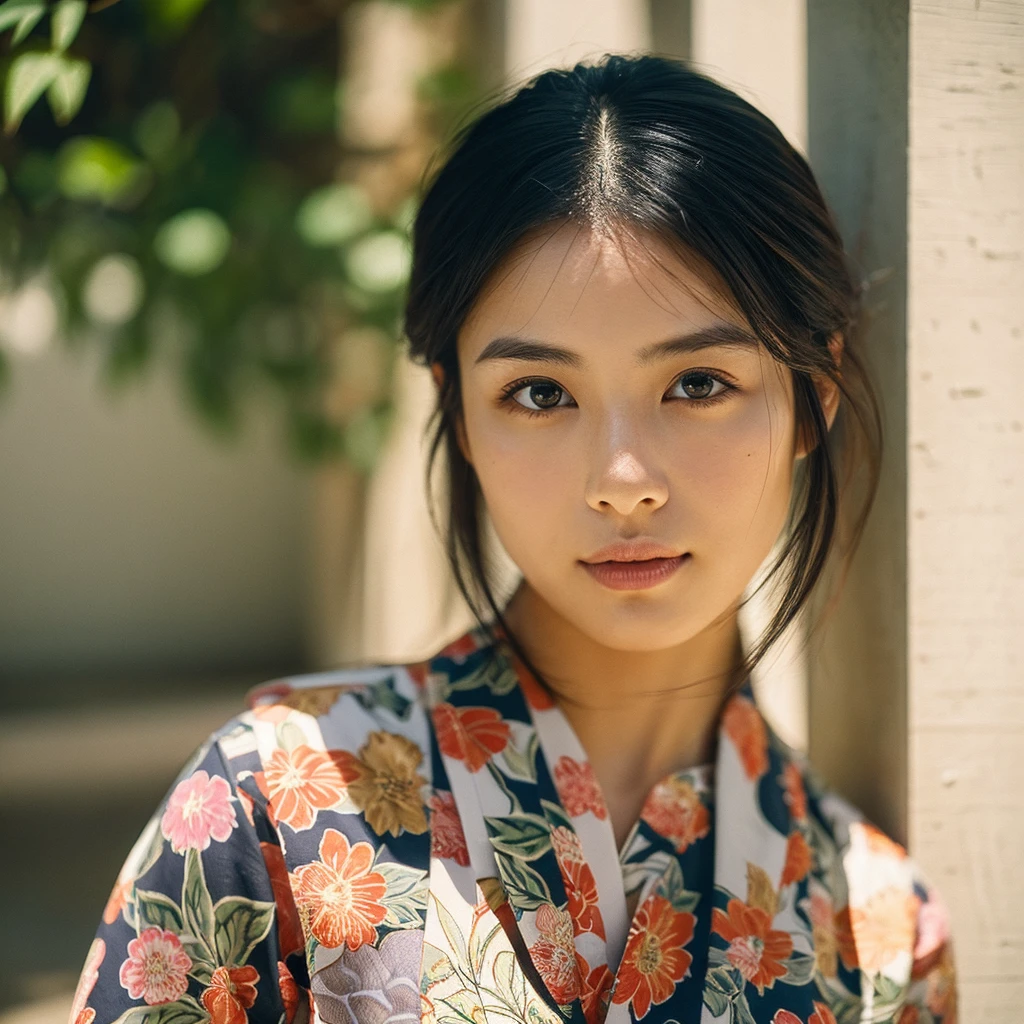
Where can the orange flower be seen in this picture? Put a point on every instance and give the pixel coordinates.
(597, 985)
(794, 795)
(232, 990)
(581, 890)
(388, 786)
(756, 950)
(884, 927)
(675, 810)
(909, 1015)
(654, 961)
(341, 893)
(878, 842)
(745, 727)
(470, 735)
(798, 859)
(822, 1015)
(289, 930)
(844, 939)
(289, 990)
(300, 782)
(536, 696)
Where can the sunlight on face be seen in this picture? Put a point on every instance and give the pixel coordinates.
(610, 401)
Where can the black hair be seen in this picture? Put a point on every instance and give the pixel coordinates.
(648, 145)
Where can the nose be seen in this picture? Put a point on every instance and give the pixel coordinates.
(624, 478)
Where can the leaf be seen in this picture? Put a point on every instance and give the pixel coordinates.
(406, 897)
(556, 815)
(155, 910)
(478, 943)
(196, 905)
(289, 735)
(240, 924)
(452, 932)
(523, 836)
(65, 22)
(741, 1011)
(182, 1011)
(23, 14)
(384, 695)
(799, 970)
(67, 90)
(526, 889)
(760, 891)
(522, 764)
(29, 77)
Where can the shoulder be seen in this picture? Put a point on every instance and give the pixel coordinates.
(891, 921)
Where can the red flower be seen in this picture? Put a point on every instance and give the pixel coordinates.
(581, 890)
(798, 859)
(341, 892)
(578, 789)
(447, 839)
(654, 961)
(289, 928)
(470, 735)
(157, 967)
(232, 990)
(822, 1015)
(756, 950)
(597, 985)
(675, 810)
(289, 990)
(744, 725)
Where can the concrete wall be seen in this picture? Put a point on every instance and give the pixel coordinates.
(966, 483)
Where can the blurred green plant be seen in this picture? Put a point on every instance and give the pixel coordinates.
(195, 206)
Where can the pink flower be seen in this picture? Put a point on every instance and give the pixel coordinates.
(578, 789)
(199, 810)
(157, 967)
(87, 980)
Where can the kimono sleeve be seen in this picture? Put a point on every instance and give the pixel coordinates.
(191, 932)
(932, 996)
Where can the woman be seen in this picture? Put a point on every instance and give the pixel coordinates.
(641, 325)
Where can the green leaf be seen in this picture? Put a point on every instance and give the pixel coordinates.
(154, 909)
(452, 932)
(799, 970)
(67, 90)
(65, 22)
(522, 764)
(29, 77)
(196, 904)
(523, 836)
(23, 14)
(526, 889)
(240, 924)
(741, 1011)
(406, 897)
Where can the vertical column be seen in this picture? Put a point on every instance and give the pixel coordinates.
(966, 483)
(857, 139)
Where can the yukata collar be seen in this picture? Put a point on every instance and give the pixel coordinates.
(758, 786)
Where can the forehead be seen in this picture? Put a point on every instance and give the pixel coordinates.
(568, 280)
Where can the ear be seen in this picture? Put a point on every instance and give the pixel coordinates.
(828, 393)
(437, 372)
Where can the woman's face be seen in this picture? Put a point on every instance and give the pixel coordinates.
(634, 444)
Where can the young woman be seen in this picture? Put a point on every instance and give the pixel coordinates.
(641, 325)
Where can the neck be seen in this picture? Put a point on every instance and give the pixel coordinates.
(639, 715)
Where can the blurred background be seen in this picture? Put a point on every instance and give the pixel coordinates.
(211, 469)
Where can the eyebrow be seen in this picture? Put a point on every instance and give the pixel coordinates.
(722, 335)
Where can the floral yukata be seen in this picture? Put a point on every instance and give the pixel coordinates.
(428, 842)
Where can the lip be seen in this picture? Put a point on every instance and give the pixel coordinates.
(638, 575)
(632, 551)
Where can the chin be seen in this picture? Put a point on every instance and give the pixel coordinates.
(629, 623)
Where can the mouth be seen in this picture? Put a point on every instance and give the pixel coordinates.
(634, 566)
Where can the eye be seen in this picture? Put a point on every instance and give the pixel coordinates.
(698, 386)
(538, 395)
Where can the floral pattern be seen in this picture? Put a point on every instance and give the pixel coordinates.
(429, 842)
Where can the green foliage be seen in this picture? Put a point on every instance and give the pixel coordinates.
(174, 166)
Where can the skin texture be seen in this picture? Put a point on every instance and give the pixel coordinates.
(630, 451)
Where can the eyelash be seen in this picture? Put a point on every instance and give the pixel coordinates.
(513, 388)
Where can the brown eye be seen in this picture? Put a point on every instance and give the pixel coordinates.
(697, 386)
(541, 394)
